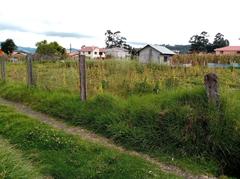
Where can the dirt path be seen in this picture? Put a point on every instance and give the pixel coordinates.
(89, 136)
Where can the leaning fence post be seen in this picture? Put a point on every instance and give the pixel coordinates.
(3, 69)
(82, 76)
(211, 85)
(30, 80)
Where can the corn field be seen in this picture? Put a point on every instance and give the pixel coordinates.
(121, 78)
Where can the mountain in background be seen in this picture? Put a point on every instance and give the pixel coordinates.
(180, 48)
(33, 50)
(26, 49)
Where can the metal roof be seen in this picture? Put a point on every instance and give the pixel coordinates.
(163, 50)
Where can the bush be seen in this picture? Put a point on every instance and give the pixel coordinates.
(143, 87)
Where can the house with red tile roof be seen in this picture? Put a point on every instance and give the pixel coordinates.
(1, 53)
(93, 52)
(229, 50)
(74, 55)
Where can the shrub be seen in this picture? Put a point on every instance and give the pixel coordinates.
(143, 87)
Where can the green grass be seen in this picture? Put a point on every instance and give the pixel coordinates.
(60, 155)
(155, 109)
(13, 165)
(178, 124)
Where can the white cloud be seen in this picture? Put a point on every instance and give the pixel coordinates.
(150, 21)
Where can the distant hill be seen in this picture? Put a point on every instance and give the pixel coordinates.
(181, 48)
(33, 50)
(26, 49)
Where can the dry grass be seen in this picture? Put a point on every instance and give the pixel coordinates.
(121, 78)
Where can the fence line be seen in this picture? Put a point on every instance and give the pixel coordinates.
(103, 82)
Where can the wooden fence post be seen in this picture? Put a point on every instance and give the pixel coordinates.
(3, 69)
(30, 80)
(82, 76)
(211, 85)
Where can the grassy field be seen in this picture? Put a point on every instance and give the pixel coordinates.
(118, 77)
(60, 155)
(158, 110)
(201, 59)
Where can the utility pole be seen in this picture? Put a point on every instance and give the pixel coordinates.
(70, 48)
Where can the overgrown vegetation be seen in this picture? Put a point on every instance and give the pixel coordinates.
(59, 155)
(160, 110)
(203, 59)
(122, 78)
(179, 123)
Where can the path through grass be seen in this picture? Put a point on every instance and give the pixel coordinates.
(61, 155)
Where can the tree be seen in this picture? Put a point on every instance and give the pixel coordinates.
(219, 41)
(51, 49)
(114, 39)
(199, 43)
(8, 46)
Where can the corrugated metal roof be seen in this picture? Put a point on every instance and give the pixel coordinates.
(163, 49)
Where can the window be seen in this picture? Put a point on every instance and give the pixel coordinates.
(95, 53)
(165, 58)
(238, 52)
(89, 52)
(100, 53)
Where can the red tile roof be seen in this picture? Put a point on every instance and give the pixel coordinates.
(228, 48)
(1, 52)
(73, 54)
(88, 49)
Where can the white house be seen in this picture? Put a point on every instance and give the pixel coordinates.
(93, 52)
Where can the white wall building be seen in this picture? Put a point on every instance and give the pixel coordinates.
(93, 52)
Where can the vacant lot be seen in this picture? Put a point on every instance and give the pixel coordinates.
(119, 77)
(159, 110)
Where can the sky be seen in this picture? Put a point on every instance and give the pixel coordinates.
(84, 22)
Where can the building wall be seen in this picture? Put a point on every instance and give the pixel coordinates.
(117, 53)
(150, 55)
(94, 54)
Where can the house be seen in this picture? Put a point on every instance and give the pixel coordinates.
(117, 52)
(93, 52)
(229, 50)
(73, 55)
(1, 53)
(155, 54)
(19, 55)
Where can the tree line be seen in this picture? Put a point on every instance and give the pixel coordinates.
(201, 43)
(43, 48)
(198, 43)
